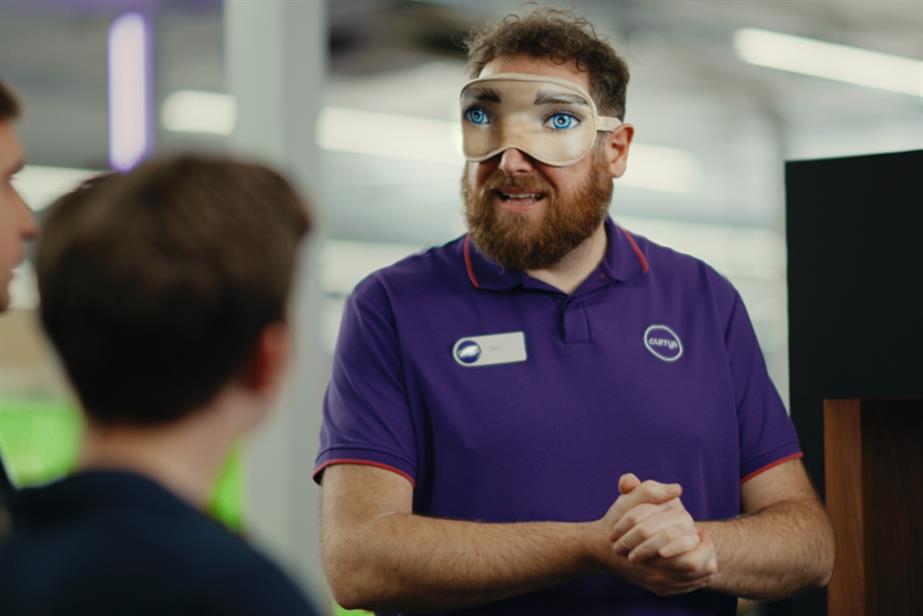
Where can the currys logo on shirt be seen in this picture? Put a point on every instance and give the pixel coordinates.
(663, 343)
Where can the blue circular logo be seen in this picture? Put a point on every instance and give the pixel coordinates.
(663, 343)
(467, 352)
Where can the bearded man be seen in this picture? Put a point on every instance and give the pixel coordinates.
(495, 402)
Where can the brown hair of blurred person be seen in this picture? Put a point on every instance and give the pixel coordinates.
(561, 36)
(9, 104)
(162, 287)
(165, 292)
(17, 223)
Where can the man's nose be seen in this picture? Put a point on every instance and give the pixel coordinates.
(515, 162)
(27, 224)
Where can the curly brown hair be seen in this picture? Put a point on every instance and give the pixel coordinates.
(561, 36)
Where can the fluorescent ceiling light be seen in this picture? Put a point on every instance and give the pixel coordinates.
(388, 134)
(128, 91)
(853, 65)
(338, 129)
(195, 111)
(413, 138)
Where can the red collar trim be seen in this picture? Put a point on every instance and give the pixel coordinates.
(468, 265)
(644, 266)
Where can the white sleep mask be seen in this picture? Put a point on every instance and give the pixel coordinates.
(552, 120)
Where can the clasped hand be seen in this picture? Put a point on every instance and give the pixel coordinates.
(654, 542)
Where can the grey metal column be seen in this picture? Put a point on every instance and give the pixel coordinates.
(276, 63)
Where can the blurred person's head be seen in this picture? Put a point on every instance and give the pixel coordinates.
(168, 287)
(521, 212)
(16, 221)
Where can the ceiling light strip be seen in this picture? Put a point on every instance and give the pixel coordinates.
(842, 63)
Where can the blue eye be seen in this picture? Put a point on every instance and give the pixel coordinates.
(562, 121)
(477, 115)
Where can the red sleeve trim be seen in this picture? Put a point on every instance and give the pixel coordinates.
(644, 266)
(759, 471)
(359, 462)
(468, 264)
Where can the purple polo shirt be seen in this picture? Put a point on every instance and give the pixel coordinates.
(651, 366)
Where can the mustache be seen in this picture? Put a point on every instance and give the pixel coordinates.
(500, 181)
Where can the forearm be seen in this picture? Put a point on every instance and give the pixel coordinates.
(774, 552)
(412, 563)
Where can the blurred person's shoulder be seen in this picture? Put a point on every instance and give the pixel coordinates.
(114, 542)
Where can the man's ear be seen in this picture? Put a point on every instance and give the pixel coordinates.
(617, 145)
(271, 356)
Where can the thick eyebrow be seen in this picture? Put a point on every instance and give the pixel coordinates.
(482, 94)
(545, 97)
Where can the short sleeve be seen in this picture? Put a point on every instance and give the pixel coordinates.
(367, 418)
(765, 431)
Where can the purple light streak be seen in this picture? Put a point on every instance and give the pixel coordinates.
(130, 91)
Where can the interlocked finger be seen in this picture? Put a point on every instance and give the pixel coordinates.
(678, 546)
(667, 536)
(652, 492)
(635, 516)
(699, 559)
(672, 521)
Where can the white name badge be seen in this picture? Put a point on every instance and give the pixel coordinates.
(475, 351)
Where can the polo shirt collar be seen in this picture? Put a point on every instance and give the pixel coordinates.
(484, 273)
(623, 260)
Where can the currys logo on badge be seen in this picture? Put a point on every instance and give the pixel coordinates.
(663, 343)
(467, 352)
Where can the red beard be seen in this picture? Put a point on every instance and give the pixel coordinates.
(518, 240)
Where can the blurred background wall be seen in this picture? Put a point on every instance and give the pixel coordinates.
(360, 107)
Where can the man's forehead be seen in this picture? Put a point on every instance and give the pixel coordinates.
(538, 93)
(545, 67)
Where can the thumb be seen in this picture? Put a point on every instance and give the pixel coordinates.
(628, 482)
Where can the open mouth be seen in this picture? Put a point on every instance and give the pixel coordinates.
(519, 199)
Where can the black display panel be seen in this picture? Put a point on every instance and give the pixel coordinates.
(855, 293)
